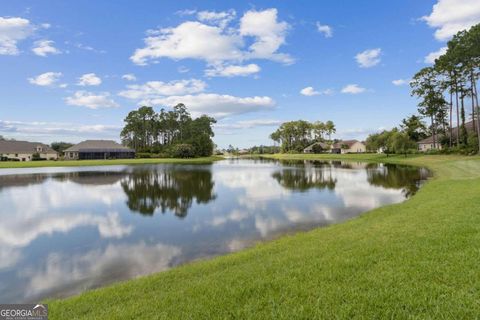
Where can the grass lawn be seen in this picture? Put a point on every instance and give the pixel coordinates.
(418, 260)
(81, 163)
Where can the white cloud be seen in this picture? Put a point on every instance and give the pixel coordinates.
(192, 40)
(89, 79)
(156, 89)
(353, 89)
(91, 100)
(216, 105)
(451, 16)
(400, 82)
(326, 30)
(216, 44)
(268, 32)
(222, 18)
(232, 70)
(13, 30)
(49, 131)
(309, 91)
(45, 79)
(129, 77)
(44, 47)
(430, 58)
(368, 58)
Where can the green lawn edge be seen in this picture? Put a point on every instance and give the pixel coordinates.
(83, 163)
(413, 260)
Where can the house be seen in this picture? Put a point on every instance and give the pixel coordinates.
(349, 146)
(317, 147)
(25, 151)
(98, 149)
(427, 143)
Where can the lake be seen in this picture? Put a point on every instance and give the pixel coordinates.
(66, 230)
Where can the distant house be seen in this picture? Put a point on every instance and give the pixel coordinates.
(427, 143)
(26, 151)
(313, 148)
(349, 146)
(98, 149)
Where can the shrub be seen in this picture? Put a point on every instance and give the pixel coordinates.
(183, 150)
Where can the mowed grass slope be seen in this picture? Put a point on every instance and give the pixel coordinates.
(416, 260)
(83, 163)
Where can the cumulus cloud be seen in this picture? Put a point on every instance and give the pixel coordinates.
(353, 89)
(89, 79)
(208, 39)
(309, 91)
(232, 70)
(45, 79)
(13, 30)
(451, 16)
(129, 77)
(45, 47)
(155, 89)
(216, 105)
(326, 30)
(432, 56)
(368, 58)
(91, 100)
(401, 82)
(268, 32)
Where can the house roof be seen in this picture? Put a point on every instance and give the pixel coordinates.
(349, 143)
(98, 145)
(429, 140)
(322, 144)
(11, 146)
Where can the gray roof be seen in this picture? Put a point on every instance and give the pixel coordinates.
(429, 140)
(11, 146)
(98, 145)
(322, 144)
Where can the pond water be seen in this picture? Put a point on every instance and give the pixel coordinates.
(66, 230)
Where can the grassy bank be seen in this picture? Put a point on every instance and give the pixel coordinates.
(418, 260)
(81, 163)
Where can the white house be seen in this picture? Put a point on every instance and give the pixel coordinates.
(25, 151)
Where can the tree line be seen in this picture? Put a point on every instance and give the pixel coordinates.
(448, 90)
(294, 136)
(171, 133)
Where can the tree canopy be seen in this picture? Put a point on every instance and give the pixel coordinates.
(173, 132)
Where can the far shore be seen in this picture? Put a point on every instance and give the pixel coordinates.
(83, 163)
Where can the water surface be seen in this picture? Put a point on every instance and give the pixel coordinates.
(66, 230)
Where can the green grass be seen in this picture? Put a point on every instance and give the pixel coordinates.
(416, 260)
(82, 163)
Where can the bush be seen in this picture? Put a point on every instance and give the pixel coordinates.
(183, 150)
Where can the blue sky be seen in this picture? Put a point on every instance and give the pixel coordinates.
(72, 70)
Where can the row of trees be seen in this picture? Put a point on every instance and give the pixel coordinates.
(294, 136)
(171, 132)
(449, 87)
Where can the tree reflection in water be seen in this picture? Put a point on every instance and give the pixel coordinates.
(391, 176)
(168, 188)
(312, 175)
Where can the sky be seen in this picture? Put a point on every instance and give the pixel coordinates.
(72, 70)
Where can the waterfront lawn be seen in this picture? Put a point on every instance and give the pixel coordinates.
(417, 260)
(82, 163)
